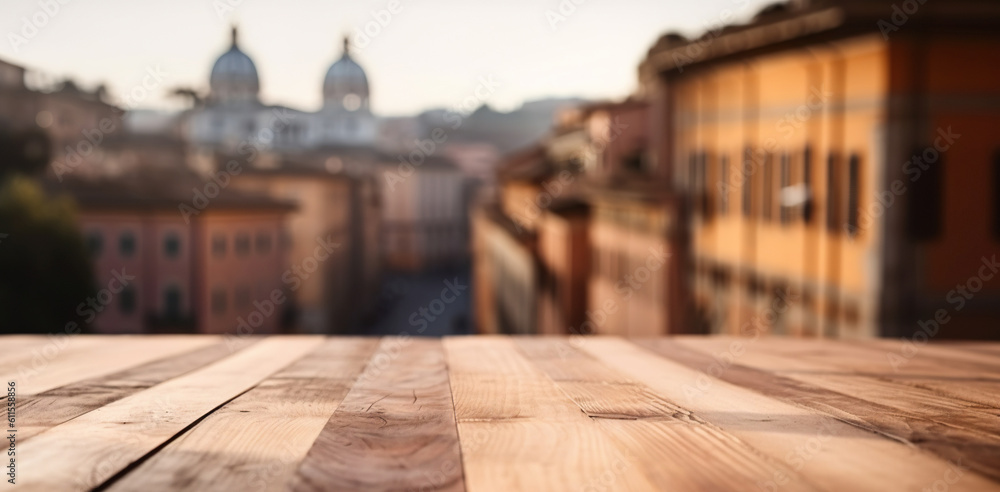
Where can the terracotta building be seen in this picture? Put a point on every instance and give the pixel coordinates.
(600, 247)
(839, 165)
(336, 288)
(216, 270)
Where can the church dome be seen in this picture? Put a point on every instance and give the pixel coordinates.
(234, 76)
(346, 84)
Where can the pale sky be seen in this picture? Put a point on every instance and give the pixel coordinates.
(430, 54)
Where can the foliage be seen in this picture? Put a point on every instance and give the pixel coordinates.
(45, 272)
(25, 152)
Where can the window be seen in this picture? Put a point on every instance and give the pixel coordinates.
(218, 301)
(704, 188)
(807, 206)
(219, 245)
(853, 207)
(242, 244)
(242, 297)
(263, 243)
(926, 201)
(171, 245)
(172, 302)
(633, 161)
(126, 244)
(95, 243)
(724, 184)
(126, 300)
(786, 212)
(693, 177)
(832, 193)
(996, 194)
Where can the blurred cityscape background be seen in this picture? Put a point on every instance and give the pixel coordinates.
(812, 168)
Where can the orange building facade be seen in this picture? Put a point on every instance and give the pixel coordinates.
(839, 167)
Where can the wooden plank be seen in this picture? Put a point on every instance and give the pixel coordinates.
(257, 441)
(520, 432)
(18, 347)
(51, 408)
(819, 447)
(975, 362)
(887, 359)
(936, 423)
(395, 429)
(677, 449)
(83, 358)
(90, 449)
(37, 352)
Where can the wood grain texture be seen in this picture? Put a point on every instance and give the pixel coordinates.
(677, 449)
(81, 358)
(257, 441)
(918, 417)
(519, 431)
(55, 406)
(395, 429)
(820, 447)
(505, 414)
(899, 362)
(84, 452)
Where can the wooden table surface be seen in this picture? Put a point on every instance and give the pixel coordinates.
(503, 414)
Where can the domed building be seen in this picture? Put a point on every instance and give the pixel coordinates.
(234, 77)
(324, 161)
(233, 118)
(345, 118)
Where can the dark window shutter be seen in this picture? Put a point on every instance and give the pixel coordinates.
(996, 194)
(807, 207)
(853, 205)
(832, 193)
(785, 182)
(925, 205)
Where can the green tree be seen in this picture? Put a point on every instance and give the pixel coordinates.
(45, 271)
(25, 152)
